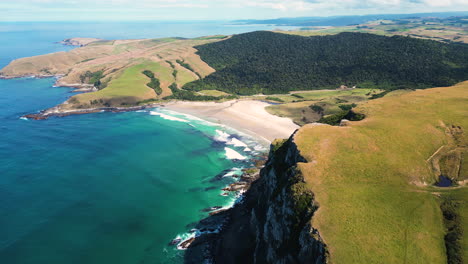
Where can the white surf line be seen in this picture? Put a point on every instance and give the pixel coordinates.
(168, 117)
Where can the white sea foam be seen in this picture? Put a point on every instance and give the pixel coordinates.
(247, 149)
(23, 118)
(232, 172)
(237, 143)
(194, 233)
(221, 136)
(259, 148)
(191, 117)
(232, 154)
(168, 117)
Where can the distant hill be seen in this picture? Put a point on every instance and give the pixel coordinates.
(267, 62)
(345, 20)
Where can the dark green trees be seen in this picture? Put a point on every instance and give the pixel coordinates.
(270, 62)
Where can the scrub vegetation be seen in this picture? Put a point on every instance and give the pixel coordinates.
(319, 106)
(154, 83)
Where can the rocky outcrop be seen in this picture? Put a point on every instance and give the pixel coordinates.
(272, 223)
(57, 112)
(80, 42)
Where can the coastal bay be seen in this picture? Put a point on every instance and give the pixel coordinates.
(75, 189)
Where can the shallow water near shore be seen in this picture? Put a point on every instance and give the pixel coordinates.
(106, 187)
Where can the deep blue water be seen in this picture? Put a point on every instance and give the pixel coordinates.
(107, 187)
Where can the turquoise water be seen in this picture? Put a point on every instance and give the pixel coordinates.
(106, 187)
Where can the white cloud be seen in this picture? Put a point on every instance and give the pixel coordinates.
(446, 3)
(221, 9)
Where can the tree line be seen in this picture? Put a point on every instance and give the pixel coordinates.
(268, 62)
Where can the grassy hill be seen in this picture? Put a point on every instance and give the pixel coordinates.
(115, 68)
(267, 62)
(374, 179)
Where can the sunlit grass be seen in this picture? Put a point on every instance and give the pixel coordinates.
(369, 178)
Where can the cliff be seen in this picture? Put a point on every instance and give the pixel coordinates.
(272, 223)
(375, 181)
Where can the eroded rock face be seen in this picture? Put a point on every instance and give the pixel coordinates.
(284, 209)
(272, 224)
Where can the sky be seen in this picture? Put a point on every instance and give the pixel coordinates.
(91, 10)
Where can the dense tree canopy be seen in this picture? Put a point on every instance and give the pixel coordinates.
(268, 62)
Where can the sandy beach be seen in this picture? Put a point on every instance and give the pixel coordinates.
(247, 116)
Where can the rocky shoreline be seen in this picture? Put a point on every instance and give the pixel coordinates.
(56, 112)
(77, 87)
(83, 88)
(78, 42)
(270, 224)
(211, 225)
(38, 76)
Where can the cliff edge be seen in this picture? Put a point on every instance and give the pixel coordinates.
(370, 191)
(272, 222)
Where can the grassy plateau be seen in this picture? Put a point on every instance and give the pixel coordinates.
(375, 185)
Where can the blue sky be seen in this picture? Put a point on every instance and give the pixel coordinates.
(80, 10)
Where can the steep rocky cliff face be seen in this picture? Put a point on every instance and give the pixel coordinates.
(272, 223)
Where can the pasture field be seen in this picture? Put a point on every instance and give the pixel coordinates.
(374, 184)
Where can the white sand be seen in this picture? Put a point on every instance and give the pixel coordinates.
(247, 116)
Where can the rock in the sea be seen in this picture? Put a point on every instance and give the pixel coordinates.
(217, 211)
(236, 187)
(186, 243)
(210, 209)
(175, 241)
(35, 116)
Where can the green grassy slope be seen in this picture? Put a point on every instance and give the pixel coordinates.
(374, 184)
(129, 88)
(270, 62)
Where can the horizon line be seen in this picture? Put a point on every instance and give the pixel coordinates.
(227, 20)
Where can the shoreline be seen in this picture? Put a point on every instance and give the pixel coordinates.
(76, 87)
(243, 174)
(245, 116)
(55, 112)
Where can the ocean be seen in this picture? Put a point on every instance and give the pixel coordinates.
(106, 187)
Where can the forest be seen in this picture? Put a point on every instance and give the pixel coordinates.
(268, 62)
